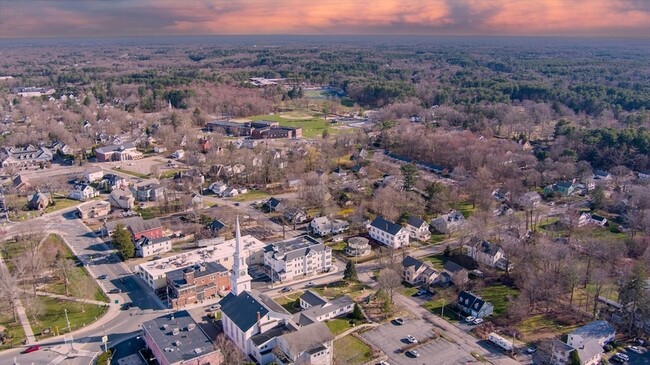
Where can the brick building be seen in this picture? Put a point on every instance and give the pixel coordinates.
(196, 283)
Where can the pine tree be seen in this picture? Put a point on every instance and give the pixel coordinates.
(350, 272)
(122, 239)
(357, 314)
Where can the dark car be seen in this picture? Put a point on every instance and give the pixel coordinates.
(398, 321)
(285, 289)
(127, 305)
(102, 277)
(32, 349)
(114, 291)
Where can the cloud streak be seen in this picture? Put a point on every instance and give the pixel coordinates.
(39, 18)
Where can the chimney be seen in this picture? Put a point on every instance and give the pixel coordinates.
(259, 318)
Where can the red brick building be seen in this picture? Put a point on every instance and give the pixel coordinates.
(196, 283)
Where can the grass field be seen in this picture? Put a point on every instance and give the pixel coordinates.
(498, 296)
(53, 315)
(132, 173)
(354, 290)
(338, 325)
(61, 203)
(311, 128)
(466, 209)
(287, 301)
(351, 351)
(13, 329)
(250, 195)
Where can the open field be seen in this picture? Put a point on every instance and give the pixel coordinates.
(250, 195)
(311, 128)
(52, 314)
(498, 295)
(338, 325)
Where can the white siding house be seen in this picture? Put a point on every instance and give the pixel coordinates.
(388, 233)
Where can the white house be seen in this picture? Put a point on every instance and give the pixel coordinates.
(121, 199)
(416, 272)
(296, 257)
(218, 188)
(644, 174)
(323, 226)
(418, 229)
(83, 192)
(178, 154)
(589, 340)
(388, 233)
(488, 253)
(145, 247)
(93, 174)
(320, 309)
(529, 200)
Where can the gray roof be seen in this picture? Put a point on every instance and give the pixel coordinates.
(243, 308)
(115, 147)
(329, 307)
(200, 270)
(487, 247)
(453, 267)
(415, 221)
(590, 349)
(595, 329)
(295, 247)
(313, 298)
(308, 338)
(261, 338)
(386, 226)
(186, 344)
(470, 300)
(564, 184)
(409, 261)
(135, 224)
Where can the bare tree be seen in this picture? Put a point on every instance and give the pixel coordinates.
(64, 268)
(389, 280)
(230, 353)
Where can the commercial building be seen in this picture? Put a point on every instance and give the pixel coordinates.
(25, 156)
(296, 257)
(94, 209)
(196, 283)
(176, 339)
(122, 152)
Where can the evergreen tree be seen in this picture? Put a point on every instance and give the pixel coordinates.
(575, 358)
(357, 314)
(410, 173)
(122, 239)
(350, 272)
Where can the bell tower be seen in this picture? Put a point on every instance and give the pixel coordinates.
(239, 278)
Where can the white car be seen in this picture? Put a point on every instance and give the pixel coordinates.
(635, 349)
(411, 339)
(622, 357)
(383, 363)
(478, 321)
(470, 319)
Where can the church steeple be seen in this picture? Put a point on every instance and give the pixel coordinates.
(239, 278)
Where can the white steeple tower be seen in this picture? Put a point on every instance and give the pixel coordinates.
(239, 279)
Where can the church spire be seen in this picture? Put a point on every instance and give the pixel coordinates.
(239, 279)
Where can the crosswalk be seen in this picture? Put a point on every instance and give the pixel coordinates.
(81, 353)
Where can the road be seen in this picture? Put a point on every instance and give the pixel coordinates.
(99, 259)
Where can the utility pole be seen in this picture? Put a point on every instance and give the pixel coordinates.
(442, 309)
(66, 318)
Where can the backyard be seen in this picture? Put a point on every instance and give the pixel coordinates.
(499, 296)
(350, 350)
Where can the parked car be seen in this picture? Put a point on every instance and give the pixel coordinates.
(621, 357)
(470, 319)
(635, 349)
(398, 321)
(478, 321)
(310, 284)
(286, 289)
(383, 363)
(413, 353)
(127, 305)
(531, 350)
(114, 291)
(32, 349)
(421, 292)
(215, 307)
(411, 339)
(102, 277)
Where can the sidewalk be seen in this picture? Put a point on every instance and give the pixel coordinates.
(20, 310)
(65, 297)
(356, 328)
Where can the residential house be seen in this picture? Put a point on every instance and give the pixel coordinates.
(230, 192)
(121, 199)
(137, 226)
(94, 209)
(473, 305)
(417, 272)
(501, 194)
(218, 188)
(83, 192)
(176, 339)
(146, 247)
(178, 154)
(602, 175)
(62, 148)
(529, 200)
(319, 309)
(193, 177)
(454, 274)
(119, 152)
(21, 184)
(359, 169)
(217, 226)
(487, 253)
(111, 182)
(564, 188)
(38, 201)
(196, 199)
(93, 174)
(357, 247)
(296, 257)
(589, 340)
(148, 190)
(25, 156)
(418, 229)
(324, 226)
(196, 283)
(273, 205)
(295, 215)
(388, 233)
(598, 220)
(449, 222)
(160, 149)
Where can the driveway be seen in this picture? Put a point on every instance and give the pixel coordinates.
(390, 338)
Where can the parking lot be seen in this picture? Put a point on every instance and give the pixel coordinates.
(390, 338)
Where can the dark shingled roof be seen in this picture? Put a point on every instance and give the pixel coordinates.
(187, 344)
(412, 261)
(200, 270)
(470, 300)
(313, 298)
(453, 267)
(243, 308)
(386, 226)
(415, 221)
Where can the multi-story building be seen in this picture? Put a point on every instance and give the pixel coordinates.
(146, 247)
(176, 339)
(25, 156)
(589, 340)
(418, 229)
(154, 273)
(121, 199)
(296, 257)
(83, 192)
(196, 283)
(449, 222)
(122, 152)
(148, 190)
(388, 233)
(487, 253)
(323, 226)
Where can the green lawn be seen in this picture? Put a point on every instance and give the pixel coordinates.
(287, 301)
(466, 209)
(132, 173)
(52, 314)
(61, 203)
(435, 306)
(438, 261)
(333, 291)
(13, 329)
(338, 246)
(338, 325)
(168, 174)
(251, 195)
(311, 128)
(437, 238)
(498, 296)
(351, 351)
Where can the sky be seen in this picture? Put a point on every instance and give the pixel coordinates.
(91, 18)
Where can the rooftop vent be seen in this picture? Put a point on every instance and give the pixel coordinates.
(177, 343)
(198, 350)
(191, 326)
(175, 332)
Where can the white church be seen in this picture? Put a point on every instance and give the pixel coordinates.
(263, 329)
